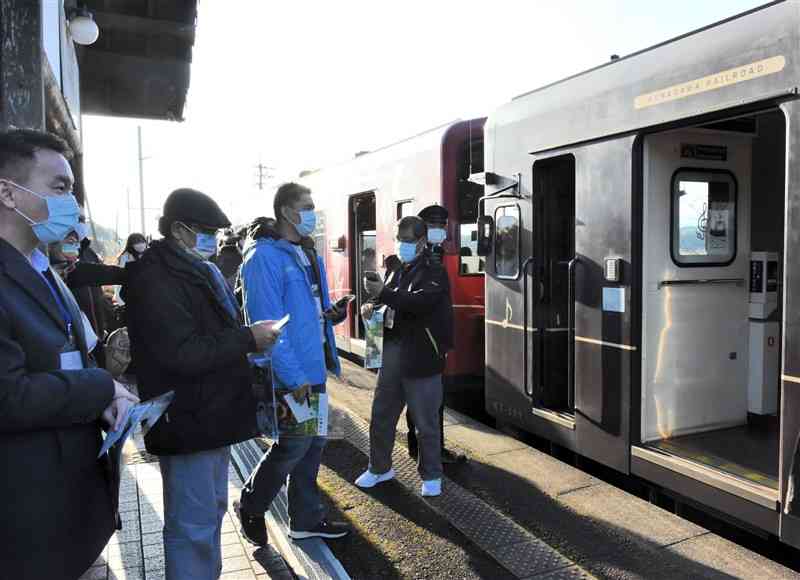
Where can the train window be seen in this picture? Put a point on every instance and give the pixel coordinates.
(703, 218)
(506, 248)
(468, 195)
(405, 208)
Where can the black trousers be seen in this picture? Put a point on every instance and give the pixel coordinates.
(413, 446)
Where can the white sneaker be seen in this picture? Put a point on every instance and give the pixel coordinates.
(369, 479)
(432, 487)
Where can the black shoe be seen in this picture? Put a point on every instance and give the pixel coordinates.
(450, 457)
(253, 528)
(324, 529)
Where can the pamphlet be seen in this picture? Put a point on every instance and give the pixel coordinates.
(314, 411)
(147, 413)
(373, 358)
(302, 411)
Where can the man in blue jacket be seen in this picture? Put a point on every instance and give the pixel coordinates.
(283, 275)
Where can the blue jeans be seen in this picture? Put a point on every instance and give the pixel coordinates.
(195, 501)
(298, 458)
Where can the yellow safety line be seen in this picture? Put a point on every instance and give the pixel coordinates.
(604, 343)
(505, 324)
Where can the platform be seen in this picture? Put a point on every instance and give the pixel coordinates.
(137, 551)
(594, 528)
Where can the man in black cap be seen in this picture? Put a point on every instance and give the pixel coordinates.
(187, 335)
(435, 217)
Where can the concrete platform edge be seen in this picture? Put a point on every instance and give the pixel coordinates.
(310, 559)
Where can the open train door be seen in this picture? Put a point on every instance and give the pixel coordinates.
(790, 383)
(363, 258)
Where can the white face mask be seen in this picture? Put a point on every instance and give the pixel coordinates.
(140, 247)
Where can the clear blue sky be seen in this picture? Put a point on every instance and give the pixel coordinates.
(303, 84)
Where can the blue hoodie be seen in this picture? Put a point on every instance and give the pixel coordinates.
(276, 283)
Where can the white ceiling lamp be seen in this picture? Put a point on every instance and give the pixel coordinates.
(82, 27)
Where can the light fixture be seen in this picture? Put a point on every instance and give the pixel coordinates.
(82, 27)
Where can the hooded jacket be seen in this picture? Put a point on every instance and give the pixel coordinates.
(275, 283)
(183, 338)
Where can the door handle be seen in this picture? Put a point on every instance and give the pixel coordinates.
(525, 379)
(571, 332)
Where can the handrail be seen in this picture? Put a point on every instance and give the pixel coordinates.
(502, 193)
(528, 388)
(698, 282)
(571, 333)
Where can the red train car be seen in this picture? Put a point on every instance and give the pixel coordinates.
(359, 203)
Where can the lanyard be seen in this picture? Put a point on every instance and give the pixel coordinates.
(65, 314)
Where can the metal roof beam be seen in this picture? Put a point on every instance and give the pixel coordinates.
(145, 26)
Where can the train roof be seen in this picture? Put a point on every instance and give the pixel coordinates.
(428, 139)
(749, 57)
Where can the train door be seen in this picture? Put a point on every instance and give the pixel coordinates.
(508, 386)
(362, 258)
(550, 289)
(790, 376)
(712, 235)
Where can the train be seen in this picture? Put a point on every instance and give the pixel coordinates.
(641, 236)
(624, 253)
(358, 204)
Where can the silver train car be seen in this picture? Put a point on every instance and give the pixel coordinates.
(641, 228)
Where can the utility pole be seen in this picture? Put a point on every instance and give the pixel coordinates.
(263, 174)
(141, 179)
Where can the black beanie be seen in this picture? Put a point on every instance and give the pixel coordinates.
(192, 207)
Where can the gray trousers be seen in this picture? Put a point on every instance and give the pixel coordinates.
(423, 396)
(195, 502)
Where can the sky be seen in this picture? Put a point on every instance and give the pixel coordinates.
(303, 84)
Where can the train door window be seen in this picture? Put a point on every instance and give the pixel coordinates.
(405, 208)
(506, 249)
(468, 195)
(703, 218)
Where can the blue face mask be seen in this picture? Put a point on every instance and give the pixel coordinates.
(436, 235)
(71, 250)
(62, 216)
(406, 251)
(308, 222)
(205, 245)
(82, 230)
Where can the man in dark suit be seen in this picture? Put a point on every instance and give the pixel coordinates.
(57, 499)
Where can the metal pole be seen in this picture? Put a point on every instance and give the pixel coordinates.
(141, 179)
(88, 216)
(130, 225)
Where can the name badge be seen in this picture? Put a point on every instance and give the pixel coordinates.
(71, 360)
